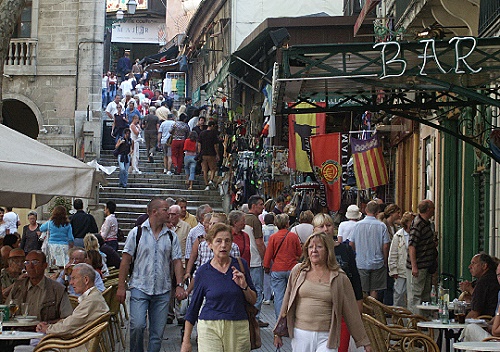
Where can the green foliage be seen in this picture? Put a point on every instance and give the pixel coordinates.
(65, 202)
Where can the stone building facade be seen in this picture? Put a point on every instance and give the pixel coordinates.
(52, 83)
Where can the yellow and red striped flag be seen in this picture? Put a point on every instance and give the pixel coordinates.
(369, 165)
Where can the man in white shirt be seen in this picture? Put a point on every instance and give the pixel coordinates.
(11, 220)
(111, 109)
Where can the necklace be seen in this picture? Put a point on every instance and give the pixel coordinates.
(320, 278)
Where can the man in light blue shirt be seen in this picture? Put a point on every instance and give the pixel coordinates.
(150, 283)
(370, 240)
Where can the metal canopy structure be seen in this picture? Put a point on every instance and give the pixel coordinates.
(423, 81)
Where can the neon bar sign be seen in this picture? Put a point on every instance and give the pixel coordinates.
(429, 53)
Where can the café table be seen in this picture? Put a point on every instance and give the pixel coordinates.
(487, 346)
(431, 307)
(445, 330)
(20, 335)
(13, 323)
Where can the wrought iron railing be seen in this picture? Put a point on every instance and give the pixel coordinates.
(21, 58)
(489, 13)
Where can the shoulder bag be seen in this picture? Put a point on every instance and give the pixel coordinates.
(252, 312)
(281, 328)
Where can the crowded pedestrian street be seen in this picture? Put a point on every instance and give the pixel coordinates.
(234, 175)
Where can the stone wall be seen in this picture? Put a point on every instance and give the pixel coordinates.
(66, 88)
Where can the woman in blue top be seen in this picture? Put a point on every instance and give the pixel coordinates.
(223, 322)
(60, 236)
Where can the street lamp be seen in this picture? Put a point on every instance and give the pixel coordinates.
(131, 6)
(119, 15)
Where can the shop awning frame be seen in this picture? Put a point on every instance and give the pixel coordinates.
(357, 77)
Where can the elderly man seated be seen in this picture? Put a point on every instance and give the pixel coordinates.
(46, 298)
(13, 272)
(91, 306)
(77, 255)
(474, 332)
(485, 289)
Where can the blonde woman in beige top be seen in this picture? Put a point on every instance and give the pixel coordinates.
(318, 295)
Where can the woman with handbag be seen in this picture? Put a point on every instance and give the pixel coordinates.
(60, 238)
(224, 287)
(318, 295)
(347, 260)
(284, 251)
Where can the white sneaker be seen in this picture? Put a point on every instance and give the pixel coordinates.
(266, 302)
(169, 173)
(164, 171)
(139, 172)
(210, 183)
(207, 188)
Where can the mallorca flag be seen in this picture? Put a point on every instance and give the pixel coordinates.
(300, 128)
(326, 160)
(369, 164)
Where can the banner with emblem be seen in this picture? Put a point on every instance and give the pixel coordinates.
(327, 165)
(369, 164)
(300, 128)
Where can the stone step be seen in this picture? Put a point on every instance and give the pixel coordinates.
(141, 199)
(158, 190)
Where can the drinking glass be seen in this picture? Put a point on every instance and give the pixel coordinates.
(460, 312)
(14, 307)
(24, 309)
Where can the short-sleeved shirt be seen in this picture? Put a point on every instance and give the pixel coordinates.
(180, 130)
(10, 218)
(369, 236)
(254, 222)
(165, 130)
(151, 273)
(485, 296)
(208, 139)
(423, 239)
(111, 108)
(345, 229)
(197, 231)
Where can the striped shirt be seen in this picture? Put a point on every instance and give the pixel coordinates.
(423, 239)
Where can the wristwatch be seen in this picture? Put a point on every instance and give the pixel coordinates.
(180, 284)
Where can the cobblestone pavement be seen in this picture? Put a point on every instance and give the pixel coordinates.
(172, 336)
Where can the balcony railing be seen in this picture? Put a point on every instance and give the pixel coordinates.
(21, 59)
(489, 13)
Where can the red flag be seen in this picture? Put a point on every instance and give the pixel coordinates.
(326, 159)
(300, 128)
(369, 164)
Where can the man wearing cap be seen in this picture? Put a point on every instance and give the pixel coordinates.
(345, 228)
(13, 272)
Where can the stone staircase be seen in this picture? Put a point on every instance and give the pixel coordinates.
(131, 201)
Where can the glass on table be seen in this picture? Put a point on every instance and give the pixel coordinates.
(460, 312)
(24, 309)
(13, 307)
